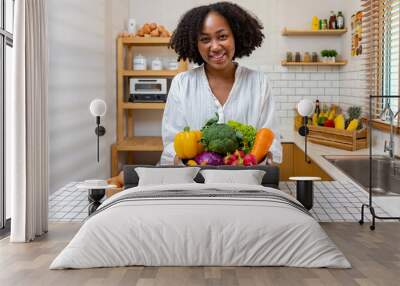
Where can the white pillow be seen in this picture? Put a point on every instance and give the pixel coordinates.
(249, 177)
(166, 176)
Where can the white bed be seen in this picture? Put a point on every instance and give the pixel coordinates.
(189, 230)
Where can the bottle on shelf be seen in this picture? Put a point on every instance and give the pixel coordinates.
(315, 23)
(332, 21)
(324, 25)
(317, 108)
(340, 20)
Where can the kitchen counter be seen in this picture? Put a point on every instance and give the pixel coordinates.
(317, 152)
(390, 204)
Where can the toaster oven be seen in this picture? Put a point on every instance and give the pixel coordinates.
(148, 89)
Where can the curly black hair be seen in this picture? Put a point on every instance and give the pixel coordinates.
(246, 30)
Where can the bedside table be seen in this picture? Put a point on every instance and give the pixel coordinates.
(96, 192)
(304, 190)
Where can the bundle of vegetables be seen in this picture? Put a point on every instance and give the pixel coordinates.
(233, 143)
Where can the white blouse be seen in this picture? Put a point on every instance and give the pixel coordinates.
(190, 102)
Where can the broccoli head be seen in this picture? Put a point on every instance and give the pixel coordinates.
(220, 138)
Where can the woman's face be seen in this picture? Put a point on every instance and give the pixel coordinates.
(216, 43)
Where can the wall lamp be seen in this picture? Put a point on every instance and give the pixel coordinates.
(98, 109)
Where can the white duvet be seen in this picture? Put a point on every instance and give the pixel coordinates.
(200, 231)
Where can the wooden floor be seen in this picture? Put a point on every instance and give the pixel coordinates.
(375, 257)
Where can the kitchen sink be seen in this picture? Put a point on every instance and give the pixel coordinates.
(385, 172)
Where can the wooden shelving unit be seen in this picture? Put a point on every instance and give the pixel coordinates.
(297, 32)
(127, 141)
(337, 63)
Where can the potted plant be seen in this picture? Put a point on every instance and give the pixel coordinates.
(332, 56)
(328, 56)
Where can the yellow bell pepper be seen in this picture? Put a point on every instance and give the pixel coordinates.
(353, 125)
(187, 143)
(339, 122)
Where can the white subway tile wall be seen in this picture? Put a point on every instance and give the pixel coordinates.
(353, 86)
(345, 86)
(291, 84)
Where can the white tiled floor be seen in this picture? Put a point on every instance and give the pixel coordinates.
(333, 202)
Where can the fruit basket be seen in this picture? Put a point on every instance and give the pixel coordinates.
(336, 131)
(337, 138)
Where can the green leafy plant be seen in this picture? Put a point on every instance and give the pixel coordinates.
(333, 53)
(324, 53)
(329, 53)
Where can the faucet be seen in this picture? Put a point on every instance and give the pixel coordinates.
(389, 147)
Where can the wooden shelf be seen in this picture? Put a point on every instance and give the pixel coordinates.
(151, 73)
(127, 47)
(338, 63)
(145, 41)
(140, 143)
(144, 105)
(294, 32)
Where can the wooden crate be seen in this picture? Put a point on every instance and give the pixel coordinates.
(337, 138)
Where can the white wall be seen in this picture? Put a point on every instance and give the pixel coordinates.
(82, 67)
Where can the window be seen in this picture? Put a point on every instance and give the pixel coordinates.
(391, 40)
(6, 44)
(381, 37)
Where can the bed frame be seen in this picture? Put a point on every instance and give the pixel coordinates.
(270, 179)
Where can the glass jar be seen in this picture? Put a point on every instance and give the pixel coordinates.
(297, 57)
(314, 57)
(139, 63)
(173, 64)
(307, 57)
(289, 57)
(156, 64)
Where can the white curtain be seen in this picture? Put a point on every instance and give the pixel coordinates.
(26, 123)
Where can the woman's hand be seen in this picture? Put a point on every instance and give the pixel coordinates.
(267, 160)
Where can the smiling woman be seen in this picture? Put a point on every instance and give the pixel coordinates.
(213, 36)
